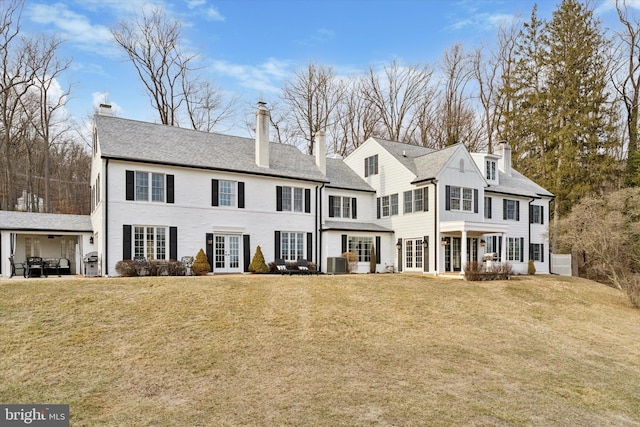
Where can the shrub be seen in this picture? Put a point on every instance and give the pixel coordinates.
(201, 265)
(142, 266)
(126, 268)
(475, 271)
(531, 268)
(632, 288)
(258, 264)
(352, 261)
(372, 260)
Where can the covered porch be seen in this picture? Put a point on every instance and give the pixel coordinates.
(465, 241)
(60, 241)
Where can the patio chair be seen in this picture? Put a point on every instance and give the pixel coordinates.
(281, 265)
(303, 267)
(187, 261)
(17, 266)
(64, 266)
(35, 263)
(52, 265)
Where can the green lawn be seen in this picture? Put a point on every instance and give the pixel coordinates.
(379, 350)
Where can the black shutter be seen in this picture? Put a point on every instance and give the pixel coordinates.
(530, 251)
(309, 247)
(366, 168)
(475, 200)
(517, 210)
(214, 192)
(499, 248)
(307, 200)
(276, 245)
(241, 195)
(378, 250)
(130, 177)
(447, 198)
(541, 253)
(344, 243)
(354, 214)
(530, 214)
(425, 199)
(504, 209)
(209, 250)
(378, 207)
(173, 243)
(278, 198)
(126, 242)
(489, 212)
(170, 189)
(541, 214)
(246, 249)
(375, 163)
(331, 203)
(521, 249)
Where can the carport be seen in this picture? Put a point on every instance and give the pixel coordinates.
(50, 236)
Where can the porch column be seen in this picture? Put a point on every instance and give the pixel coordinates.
(503, 252)
(463, 250)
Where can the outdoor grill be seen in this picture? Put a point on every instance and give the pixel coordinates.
(90, 261)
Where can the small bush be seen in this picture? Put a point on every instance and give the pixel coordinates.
(126, 268)
(143, 267)
(258, 264)
(531, 268)
(352, 261)
(201, 265)
(475, 271)
(632, 288)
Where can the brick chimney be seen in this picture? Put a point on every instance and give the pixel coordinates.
(321, 152)
(262, 135)
(504, 151)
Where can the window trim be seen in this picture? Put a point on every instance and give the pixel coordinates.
(363, 254)
(158, 249)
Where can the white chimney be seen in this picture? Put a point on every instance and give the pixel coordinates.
(321, 152)
(105, 110)
(262, 135)
(504, 151)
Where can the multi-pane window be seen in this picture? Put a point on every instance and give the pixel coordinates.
(148, 183)
(385, 206)
(408, 201)
(490, 170)
(292, 199)
(226, 193)
(514, 249)
(460, 199)
(511, 209)
(487, 207)
(537, 252)
(31, 246)
(536, 214)
(371, 165)
(414, 200)
(291, 246)
(467, 199)
(150, 242)
(394, 204)
(361, 246)
(342, 207)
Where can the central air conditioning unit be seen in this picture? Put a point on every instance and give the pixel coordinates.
(336, 265)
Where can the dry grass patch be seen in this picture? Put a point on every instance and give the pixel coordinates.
(329, 350)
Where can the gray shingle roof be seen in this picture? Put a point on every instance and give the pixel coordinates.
(518, 184)
(404, 153)
(44, 222)
(355, 226)
(342, 176)
(429, 165)
(155, 143)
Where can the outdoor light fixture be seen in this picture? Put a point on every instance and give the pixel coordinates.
(399, 244)
(483, 243)
(444, 241)
(425, 241)
(91, 240)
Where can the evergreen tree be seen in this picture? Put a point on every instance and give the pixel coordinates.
(561, 121)
(258, 265)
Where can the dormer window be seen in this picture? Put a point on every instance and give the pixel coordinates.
(490, 170)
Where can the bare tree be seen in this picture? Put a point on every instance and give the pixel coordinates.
(626, 80)
(312, 98)
(205, 104)
(395, 95)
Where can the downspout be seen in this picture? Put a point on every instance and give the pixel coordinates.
(105, 256)
(319, 226)
(436, 246)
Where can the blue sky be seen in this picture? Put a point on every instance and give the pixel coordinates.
(249, 48)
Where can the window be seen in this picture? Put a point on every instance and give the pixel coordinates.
(414, 200)
(536, 252)
(361, 246)
(385, 206)
(461, 199)
(371, 165)
(394, 204)
(227, 193)
(142, 186)
(31, 246)
(408, 201)
(511, 210)
(536, 216)
(291, 246)
(413, 254)
(490, 171)
(342, 207)
(418, 202)
(514, 249)
(150, 242)
(292, 199)
(467, 199)
(487, 207)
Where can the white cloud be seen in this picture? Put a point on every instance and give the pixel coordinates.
(209, 12)
(103, 98)
(265, 77)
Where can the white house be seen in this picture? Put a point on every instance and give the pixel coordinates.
(163, 192)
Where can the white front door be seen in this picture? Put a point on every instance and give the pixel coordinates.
(227, 254)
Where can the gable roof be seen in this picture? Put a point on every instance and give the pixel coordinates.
(404, 153)
(517, 184)
(342, 176)
(45, 222)
(429, 165)
(124, 139)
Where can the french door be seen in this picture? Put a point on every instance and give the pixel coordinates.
(227, 253)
